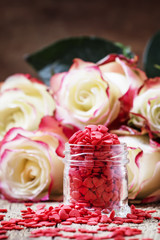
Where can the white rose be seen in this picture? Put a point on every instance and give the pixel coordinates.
(83, 97)
(123, 74)
(23, 102)
(146, 107)
(143, 168)
(31, 166)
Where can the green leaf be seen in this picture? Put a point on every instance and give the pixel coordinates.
(58, 56)
(151, 57)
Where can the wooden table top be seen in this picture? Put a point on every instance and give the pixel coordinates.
(149, 227)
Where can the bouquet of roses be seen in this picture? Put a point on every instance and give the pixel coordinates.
(36, 118)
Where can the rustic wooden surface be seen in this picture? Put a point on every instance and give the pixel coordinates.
(149, 227)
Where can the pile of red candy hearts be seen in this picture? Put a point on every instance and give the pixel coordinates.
(95, 178)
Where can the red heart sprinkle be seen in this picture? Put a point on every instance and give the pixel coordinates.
(98, 181)
(88, 182)
(63, 215)
(90, 196)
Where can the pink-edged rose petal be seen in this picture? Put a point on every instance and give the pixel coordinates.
(31, 166)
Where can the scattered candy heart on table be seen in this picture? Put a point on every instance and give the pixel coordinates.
(75, 213)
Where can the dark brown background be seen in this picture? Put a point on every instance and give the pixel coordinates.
(28, 25)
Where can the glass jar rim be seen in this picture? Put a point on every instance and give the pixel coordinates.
(99, 145)
(116, 152)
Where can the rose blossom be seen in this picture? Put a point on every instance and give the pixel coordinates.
(146, 107)
(126, 77)
(23, 102)
(83, 97)
(31, 166)
(143, 168)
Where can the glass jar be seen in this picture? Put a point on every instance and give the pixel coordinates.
(96, 176)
